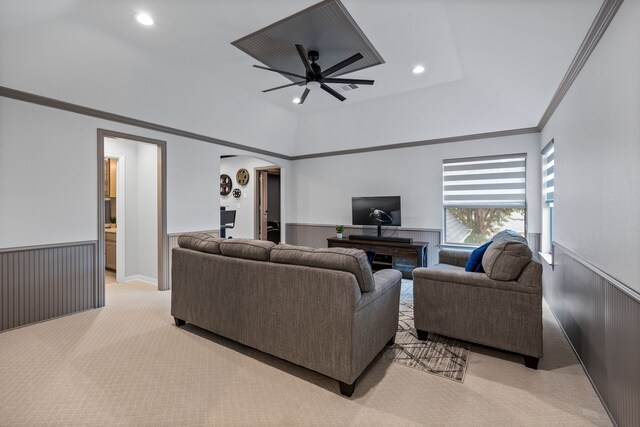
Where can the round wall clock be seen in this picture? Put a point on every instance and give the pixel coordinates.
(225, 185)
(242, 177)
(237, 193)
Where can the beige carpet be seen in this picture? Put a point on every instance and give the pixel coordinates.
(128, 364)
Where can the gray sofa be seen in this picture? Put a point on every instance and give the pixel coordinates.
(322, 309)
(501, 308)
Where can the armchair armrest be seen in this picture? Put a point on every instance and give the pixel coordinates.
(458, 257)
(385, 281)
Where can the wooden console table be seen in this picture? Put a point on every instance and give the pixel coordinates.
(400, 256)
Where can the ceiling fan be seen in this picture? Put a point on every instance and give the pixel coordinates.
(316, 78)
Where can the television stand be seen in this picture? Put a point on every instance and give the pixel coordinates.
(403, 256)
(380, 238)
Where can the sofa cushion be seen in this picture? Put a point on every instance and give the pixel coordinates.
(343, 259)
(202, 242)
(505, 259)
(475, 260)
(258, 250)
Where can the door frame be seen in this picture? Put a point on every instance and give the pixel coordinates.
(256, 209)
(163, 239)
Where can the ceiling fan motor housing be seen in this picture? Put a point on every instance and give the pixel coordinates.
(313, 55)
(317, 71)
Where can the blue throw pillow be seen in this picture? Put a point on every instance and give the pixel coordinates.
(475, 260)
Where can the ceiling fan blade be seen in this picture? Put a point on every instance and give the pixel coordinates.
(340, 65)
(332, 92)
(348, 81)
(286, 73)
(283, 86)
(305, 59)
(304, 95)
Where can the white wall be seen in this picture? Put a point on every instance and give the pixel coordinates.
(192, 185)
(596, 130)
(322, 188)
(47, 177)
(245, 206)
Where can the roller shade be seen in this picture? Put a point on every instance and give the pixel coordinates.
(548, 166)
(485, 182)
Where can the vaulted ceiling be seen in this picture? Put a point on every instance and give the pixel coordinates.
(491, 65)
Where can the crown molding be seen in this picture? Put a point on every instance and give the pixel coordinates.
(459, 138)
(598, 27)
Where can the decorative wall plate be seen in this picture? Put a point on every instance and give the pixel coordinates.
(237, 193)
(225, 185)
(242, 176)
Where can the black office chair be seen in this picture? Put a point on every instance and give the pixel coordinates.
(227, 220)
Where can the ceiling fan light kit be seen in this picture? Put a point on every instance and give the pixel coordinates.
(313, 85)
(274, 47)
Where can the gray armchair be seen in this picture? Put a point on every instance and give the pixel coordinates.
(501, 308)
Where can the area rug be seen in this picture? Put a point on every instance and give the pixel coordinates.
(438, 355)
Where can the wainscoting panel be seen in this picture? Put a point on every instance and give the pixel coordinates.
(42, 282)
(315, 236)
(173, 243)
(601, 318)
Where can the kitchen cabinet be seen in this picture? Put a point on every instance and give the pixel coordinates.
(110, 166)
(110, 250)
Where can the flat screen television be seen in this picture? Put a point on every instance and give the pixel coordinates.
(383, 211)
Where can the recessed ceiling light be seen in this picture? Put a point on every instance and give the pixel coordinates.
(418, 69)
(144, 18)
(296, 100)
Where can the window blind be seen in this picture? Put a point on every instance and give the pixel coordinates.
(548, 165)
(485, 182)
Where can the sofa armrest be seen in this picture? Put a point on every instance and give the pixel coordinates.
(471, 279)
(385, 281)
(531, 275)
(458, 257)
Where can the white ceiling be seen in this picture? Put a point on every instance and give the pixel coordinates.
(491, 65)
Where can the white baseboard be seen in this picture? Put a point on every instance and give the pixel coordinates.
(141, 278)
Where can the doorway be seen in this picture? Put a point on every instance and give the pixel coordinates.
(156, 151)
(267, 204)
(241, 179)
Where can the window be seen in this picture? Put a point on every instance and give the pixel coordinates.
(548, 175)
(483, 195)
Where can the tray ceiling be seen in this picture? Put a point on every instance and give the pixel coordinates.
(326, 27)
